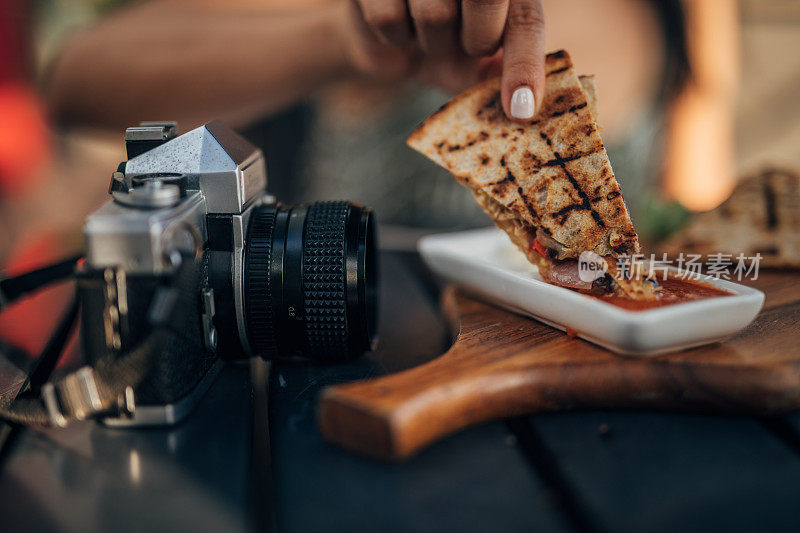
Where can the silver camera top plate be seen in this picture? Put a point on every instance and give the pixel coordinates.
(228, 170)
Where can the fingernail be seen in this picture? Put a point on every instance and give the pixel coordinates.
(522, 104)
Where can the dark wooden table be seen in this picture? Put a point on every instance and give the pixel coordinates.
(600, 471)
(589, 471)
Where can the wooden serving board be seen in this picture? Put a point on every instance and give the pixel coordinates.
(503, 365)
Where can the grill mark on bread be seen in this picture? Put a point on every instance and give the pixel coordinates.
(767, 250)
(562, 214)
(490, 108)
(492, 101)
(769, 205)
(531, 164)
(585, 204)
(571, 109)
(557, 71)
(472, 140)
(509, 178)
(501, 187)
(482, 136)
(528, 204)
(557, 162)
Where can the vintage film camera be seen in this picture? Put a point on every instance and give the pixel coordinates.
(271, 280)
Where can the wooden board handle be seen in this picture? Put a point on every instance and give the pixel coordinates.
(480, 378)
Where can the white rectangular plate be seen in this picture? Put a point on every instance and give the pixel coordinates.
(486, 262)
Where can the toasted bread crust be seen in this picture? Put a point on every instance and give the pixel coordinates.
(553, 173)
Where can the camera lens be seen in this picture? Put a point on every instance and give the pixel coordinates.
(310, 281)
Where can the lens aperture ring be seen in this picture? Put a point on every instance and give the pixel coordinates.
(258, 297)
(324, 279)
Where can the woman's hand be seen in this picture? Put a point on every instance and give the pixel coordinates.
(453, 44)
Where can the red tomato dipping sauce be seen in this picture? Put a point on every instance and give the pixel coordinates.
(673, 291)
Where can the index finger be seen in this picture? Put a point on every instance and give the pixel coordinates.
(522, 86)
(482, 25)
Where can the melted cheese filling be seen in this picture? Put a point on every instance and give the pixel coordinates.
(523, 237)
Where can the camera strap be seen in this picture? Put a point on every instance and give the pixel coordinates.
(107, 387)
(14, 288)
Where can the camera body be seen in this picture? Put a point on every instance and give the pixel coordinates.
(192, 194)
(273, 280)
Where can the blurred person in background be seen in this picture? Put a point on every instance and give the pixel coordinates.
(330, 89)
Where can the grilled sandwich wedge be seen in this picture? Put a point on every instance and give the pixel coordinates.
(762, 216)
(547, 183)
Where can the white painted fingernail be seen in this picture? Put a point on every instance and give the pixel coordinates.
(522, 103)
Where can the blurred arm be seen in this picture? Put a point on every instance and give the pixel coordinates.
(700, 143)
(190, 61)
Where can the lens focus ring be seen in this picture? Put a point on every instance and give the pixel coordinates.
(258, 255)
(310, 281)
(324, 279)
